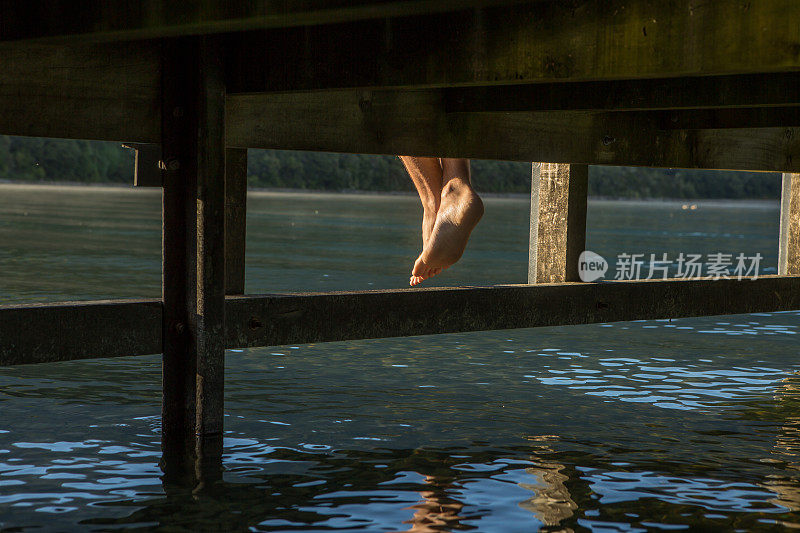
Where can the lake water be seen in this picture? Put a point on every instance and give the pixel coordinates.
(638, 426)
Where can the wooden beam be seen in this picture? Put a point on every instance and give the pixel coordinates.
(415, 122)
(558, 221)
(79, 330)
(42, 333)
(103, 20)
(111, 92)
(301, 318)
(193, 255)
(235, 219)
(102, 92)
(532, 42)
(705, 92)
(789, 241)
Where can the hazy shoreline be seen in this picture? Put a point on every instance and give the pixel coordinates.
(265, 191)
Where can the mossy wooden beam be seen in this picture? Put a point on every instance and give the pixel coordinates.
(694, 92)
(44, 333)
(532, 42)
(302, 318)
(111, 91)
(149, 19)
(93, 92)
(415, 122)
(40, 333)
(103, 92)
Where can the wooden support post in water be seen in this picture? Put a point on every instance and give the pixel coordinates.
(789, 243)
(235, 218)
(193, 109)
(558, 222)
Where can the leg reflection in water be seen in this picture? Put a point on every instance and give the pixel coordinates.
(437, 511)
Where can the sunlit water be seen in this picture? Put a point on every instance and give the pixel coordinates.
(632, 426)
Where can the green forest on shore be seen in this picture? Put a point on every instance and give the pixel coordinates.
(26, 159)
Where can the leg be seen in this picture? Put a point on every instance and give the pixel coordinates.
(460, 209)
(426, 173)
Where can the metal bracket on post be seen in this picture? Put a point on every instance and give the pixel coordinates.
(148, 165)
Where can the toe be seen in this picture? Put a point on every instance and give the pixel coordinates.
(420, 267)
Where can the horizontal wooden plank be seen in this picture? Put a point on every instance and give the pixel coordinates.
(79, 330)
(102, 92)
(704, 92)
(302, 318)
(579, 40)
(64, 331)
(104, 20)
(416, 122)
(110, 92)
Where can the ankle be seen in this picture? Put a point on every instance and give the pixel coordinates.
(455, 186)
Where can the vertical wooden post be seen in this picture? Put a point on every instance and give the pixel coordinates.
(235, 218)
(558, 222)
(193, 151)
(789, 243)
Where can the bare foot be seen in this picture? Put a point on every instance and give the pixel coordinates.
(428, 221)
(459, 211)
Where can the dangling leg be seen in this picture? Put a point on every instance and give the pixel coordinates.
(426, 173)
(460, 209)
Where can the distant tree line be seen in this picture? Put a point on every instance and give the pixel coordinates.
(39, 159)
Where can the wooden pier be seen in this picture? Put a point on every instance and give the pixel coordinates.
(569, 84)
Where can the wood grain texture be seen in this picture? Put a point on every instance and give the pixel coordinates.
(193, 253)
(72, 330)
(415, 122)
(149, 19)
(235, 219)
(558, 221)
(322, 317)
(692, 92)
(41, 333)
(789, 240)
(578, 40)
(102, 92)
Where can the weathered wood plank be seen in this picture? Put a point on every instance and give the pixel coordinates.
(533, 42)
(102, 92)
(235, 219)
(79, 330)
(193, 252)
(710, 92)
(111, 92)
(415, 122)
(558, 221)
(302, 318)
(41, 333)
(789, 240)
(103, 20)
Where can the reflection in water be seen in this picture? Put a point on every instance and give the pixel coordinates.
(438, 510)
(552, 503)
(787, 446)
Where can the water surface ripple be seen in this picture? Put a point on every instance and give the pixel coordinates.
(636, 426)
